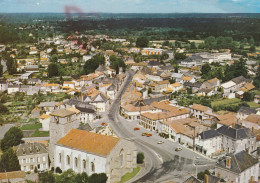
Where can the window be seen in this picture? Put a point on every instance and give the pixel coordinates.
(121, 158)
(44, 158)
(38, 159)
(44, 165)
(60, 157)
(68, 160)
(31, 167)
(92, 167)
(31, 160)
(24, 168)
(84, 164)
(38, 166)
(76, 162)
(24, 160)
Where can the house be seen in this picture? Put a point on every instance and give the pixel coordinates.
(33, 81)
(201, 112)
(45, 121)
(3, 85)
(36, 112)
(237, 138)
(31, 156)
(228, 119)
(84, 151)
(87, 114)
(239, 167)
(187, 79)
(13, 177)
(256, 98)
(13, 89)
(86, 57)
(229, 87)
(209, 142)
(192, 179)
(47, 106)
(195, 87)
(211, 84)
(244, 112)
(32, 68)
(252, 122)
(212, 179)
(26, 75)
(152, 51)
(151, 121)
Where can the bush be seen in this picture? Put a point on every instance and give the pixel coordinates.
(35, 170)
(58, 170)
(140, 158)
(202, 174)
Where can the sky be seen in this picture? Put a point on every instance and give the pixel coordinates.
(131, 6)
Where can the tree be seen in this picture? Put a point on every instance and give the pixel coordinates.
(92, 64)
(257, 78)
(11, 65)
(142, 42)
(180, 56)
(12, 138)
(193, 45)
(201, 175)
(47, 177)
(3, 109)
(9, 161)
(140, 158)
(53, 70)
(248, 96)
(1, 69)
(98, 178)
(252, 48)
(205, 69)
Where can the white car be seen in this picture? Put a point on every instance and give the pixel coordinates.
(160, 142)
(178, 149)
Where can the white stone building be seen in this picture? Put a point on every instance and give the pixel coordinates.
(209, 142)
(31, 155)
(239, 167)
(89, 152)
(237, 139)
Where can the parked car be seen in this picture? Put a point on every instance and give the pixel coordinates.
(136, 128)
(178, 149)
(149, 135)
(144, 134)
(160, 142)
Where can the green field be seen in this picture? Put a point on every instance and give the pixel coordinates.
(31, 126)
(38, 133)
(130, 175)
(225, 102)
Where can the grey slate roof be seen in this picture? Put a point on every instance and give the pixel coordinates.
(85, 110)
(235, 133)
(239, 162)
(111, 88)
(192, 180)
(209, 134)
(31, 148)
(240, 79)
(154, 63)
(150, 101)
(247, 110)
(86, 127)
(213, 179)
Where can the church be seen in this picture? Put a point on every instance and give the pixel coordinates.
(84, 151)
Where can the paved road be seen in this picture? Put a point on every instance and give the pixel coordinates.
(162, 162)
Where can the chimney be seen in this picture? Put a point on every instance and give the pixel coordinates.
(206, 178)
(228, 162)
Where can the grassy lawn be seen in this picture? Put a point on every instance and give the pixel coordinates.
(253, 104)
(130, 175)
(31, 126)
(38, 133)
(225, 102)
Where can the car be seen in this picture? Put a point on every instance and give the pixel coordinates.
(136, 128)
(178, 149)
(160, 142)
(144, 134)
(149, 135)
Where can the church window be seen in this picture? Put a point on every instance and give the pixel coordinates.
(92, 167)
(68, 160)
